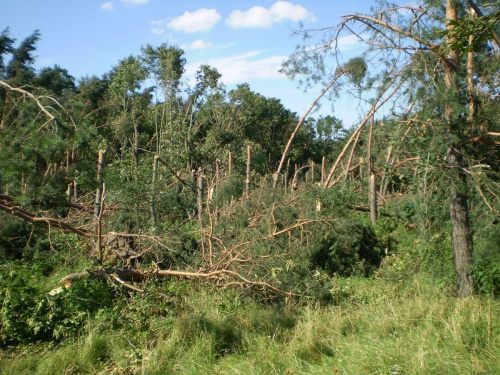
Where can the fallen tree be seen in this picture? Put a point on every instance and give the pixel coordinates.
(7, 204)
(124, 276)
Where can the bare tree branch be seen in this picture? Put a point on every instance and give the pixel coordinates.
(288, 145)
(9, 207)
(33, 97)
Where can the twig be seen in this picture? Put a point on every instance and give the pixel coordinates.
(114, 276)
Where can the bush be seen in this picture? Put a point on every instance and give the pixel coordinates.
(28, 314)
(14, 235)
(351, 248)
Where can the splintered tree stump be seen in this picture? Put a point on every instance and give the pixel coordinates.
(117, 250)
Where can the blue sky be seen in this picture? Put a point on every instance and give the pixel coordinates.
(245, 40)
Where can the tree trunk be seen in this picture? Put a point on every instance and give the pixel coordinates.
(249, 170)
(373, 199)
(323, 169)
(200, 194)
(75, 191)
(461, 234)
(217, 178)
(372, 195)
(136, 147)
(153, 191)
(98, 194)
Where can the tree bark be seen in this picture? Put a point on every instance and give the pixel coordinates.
(98, 194)
(153, 190)
(217, 179)
(461, 234)
(249, 170)
(372, 195)
(200, 194)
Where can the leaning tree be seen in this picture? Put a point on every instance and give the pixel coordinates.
(432, 66)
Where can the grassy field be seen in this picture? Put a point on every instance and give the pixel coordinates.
(374, 327)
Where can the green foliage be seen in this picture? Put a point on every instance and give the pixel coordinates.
(6, 43)
(481, 28)
(14, 235)
(29, 313)
(487, 259)
(350, 248)
(356, 68)
(56, 80)
(19, 70)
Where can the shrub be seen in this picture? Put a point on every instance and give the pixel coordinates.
(350, 248)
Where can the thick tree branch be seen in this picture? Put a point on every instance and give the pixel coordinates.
(30, 95)
(289, 143)
(7, 206)
(123, 275)
(367, 20)
(375, 107)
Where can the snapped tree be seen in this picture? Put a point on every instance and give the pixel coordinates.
(433, 66)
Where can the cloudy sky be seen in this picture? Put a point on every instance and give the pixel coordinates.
(245, 40)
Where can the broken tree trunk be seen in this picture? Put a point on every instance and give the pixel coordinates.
(217, 178)
(98, 194)
(153, 191)
(200, 195)
(299, 124)
(124, 275)
(249, 171)
(373, 182)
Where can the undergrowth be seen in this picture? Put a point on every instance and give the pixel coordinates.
(374, 327)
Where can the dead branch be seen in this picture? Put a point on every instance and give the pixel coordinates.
(123, 276)
(12, 209)
(369, 21)
(375, 107)
(290, 140)
(482, 138)
(176, 175)
(114, 276)
(30, 95)
(417, 158)
(300, 223)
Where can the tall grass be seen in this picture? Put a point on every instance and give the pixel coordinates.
(377, 327)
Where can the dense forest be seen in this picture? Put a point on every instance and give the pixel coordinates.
(152, 226)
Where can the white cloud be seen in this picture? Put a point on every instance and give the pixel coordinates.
(283, 10)
(157, 26)
(258, 16)
(135, 2)
(107, 6)
(348, 42)
(254, 17)
(243, 68)
(157, 30)
(197, 44)
(201, 20)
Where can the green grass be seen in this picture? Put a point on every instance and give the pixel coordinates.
(377, 327)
